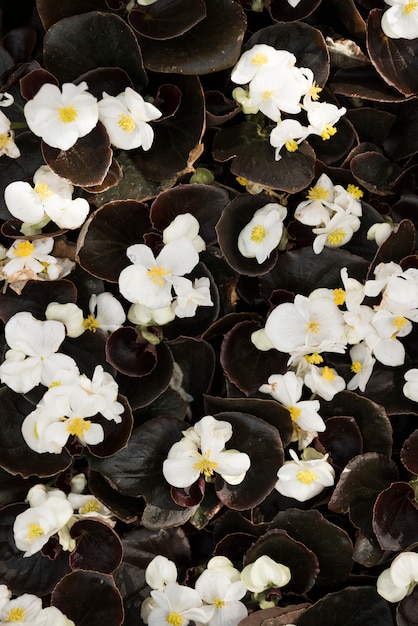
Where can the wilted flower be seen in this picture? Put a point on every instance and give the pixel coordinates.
(302, 480)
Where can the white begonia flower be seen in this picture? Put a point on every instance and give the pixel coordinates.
(400, 21)
(33, 356)
(5, 595)
(302, 480)
(40, 493)
(184, 225)
(306, 325)
(337, 232)
(383, 273)
(277, 91)
(383, 341)
(289, 133)
(242, 97)
(362, 364)
(410, 388)
(33, 528)
(354, 291)
(29, 259)
(265, 573)
(106, 313)
(86, 505)
(176, 605)
(400, 295)
(379, 232)
(69, 314)
(319, 205)
(78, 483)
(322, 117)
(399, 580)
(104, 390)
(190, 296)
(7, 138)
(324, 381)
(49, 199)
(222, 598)
(261, 58)
(185, 463)
(60, 118)
(149, 281)
(224, 566)
(287, 389)
(143, 316)
(147, 605)
(22, 610)
(263, 232)
(159, 572)
(260, 340)
(52, 616)
(126, 118)
(349, 199)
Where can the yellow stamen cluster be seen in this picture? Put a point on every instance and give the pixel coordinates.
(242, 181)
(291, 145)
(328, 374)
(307, 477)
(35, 531)
(314, 358)
(174, 619)
(126, 122)
(294, 413)
(317, 193)
(90, 323)
(43, 191)
(91, 506)
(410, 7)
(314, 91)
(156, 274)
(312, 327)
(4, 139)
(15, 615)
(267, 94)
(356, 367)
(336, 237)
(24, 248)
(259, 59)
(258, 233)
(328, 132)
(218, 603)
(78, 426)
(67, 114)
(355, 191)
(339, 296)
(205, 466)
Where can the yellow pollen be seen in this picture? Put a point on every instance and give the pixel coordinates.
(55, 383)
(307, 477)
(259, 59)
(328, 132)
(312, 327)
(156, 274)
(291, 145)
(400, 322)
(267, 94)
(174, 619)
(91, 506)
(314, 91)
(205, 465)
(4, 139)
(317, 193)
(314, 358)
(356, 367)
(126, 122)
(24, 248)
(336, 237)
(258, 233)
(328, 374)
(90, 323)
(355, 191)
(15, 615)
(67, 114)
(218, 603)
(77, 426)
(34, 532)
(339, 296)
(242, 181)
(43, 191)
(410, 7)
(294, 412)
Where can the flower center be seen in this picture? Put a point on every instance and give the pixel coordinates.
(205, 466)
(156, 274)
(410, 7)
(218, 603)
(336, 237)
(258, 233)
(314, 358)
(294, 412)
(34, 531)
(318, 193)
(4, 139)
(77, 426)
(328, 374)
(291, 145)
(355, 191)
(312, 327)
(90, 323)
(339, 296)
(328, 132)
(314, 91)
(400, 322)
(15, 615)
(174, 619)
(67, 114)
(24, 248)
(43, 191)
(126, 122)
(267, 94)
(91, 506)
(242, 181)
(259, 59)
(356, 367)
(307, 477)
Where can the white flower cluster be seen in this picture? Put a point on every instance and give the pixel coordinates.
(27, 610)
(52, 512)
(216, 598)
(149, 282)
(263, 232)
(276, 86)
(202, 451)
(333, 211)
(7, 136)
(71, 397)
(401, 20)
(61, 117)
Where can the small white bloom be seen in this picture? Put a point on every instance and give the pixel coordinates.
(379, 232)
(29, 259)
(51, 616)
(190, 296)
(78, 483)
(264, 574)
(324, 381)
(260, 340)
(176, 605)
(302, 480)
(126, 118)
(260, 58)
(88, 506)
(184, 225)
(159, 572)
(223, 565)
(322, 117)
(319, 205)
(22, 610)
(106, 313)
(7, 138)
(281, 90)
(144, 316)
(349, 199)
(263, 233)
(401, 19)
(410, 388)
(288, 133)
(362, 364)
(69, 314)
(33, 528)
(242, 97)
(336, 233)
(222, 598)
(62, 117)
(400, 579)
